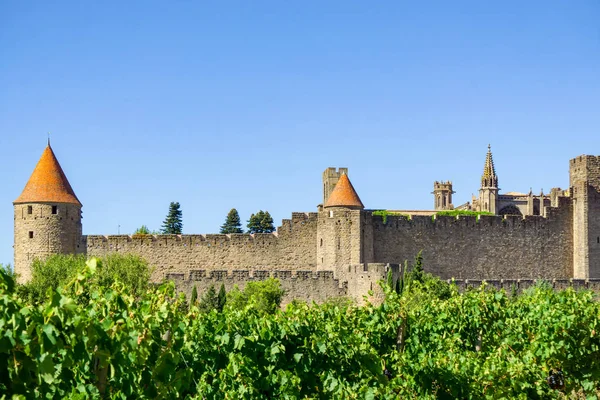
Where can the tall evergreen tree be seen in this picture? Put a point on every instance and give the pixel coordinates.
(172, 224)
(232, 223)
(254, 222)
(261, 222)
(194, 297)
(209, 301)
(221, 298)
(266, 223)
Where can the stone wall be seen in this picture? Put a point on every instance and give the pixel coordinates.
(488, 247)
(292, 247)
(304, 285)
(519, 285)
(40, 233)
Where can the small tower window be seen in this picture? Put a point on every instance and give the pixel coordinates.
(54, 210)
(321, 242)
(30, 234)
(29, 210)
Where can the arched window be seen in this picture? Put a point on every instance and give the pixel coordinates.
(510, 210)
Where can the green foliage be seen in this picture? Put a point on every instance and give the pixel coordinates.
(8, 269)
(90, 341)
(390, 279)
(221, 298)
(232, 223)
(262, 296)
(261, 222)
(194, 296)
(57, 270)
(468, 213)
(144, 230)
(209, 301)
(385, 213)
(173, 224)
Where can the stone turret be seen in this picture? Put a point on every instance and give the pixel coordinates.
(442, 195)
(47, 216)
(584, 182)
(344, 233)
(488, 193)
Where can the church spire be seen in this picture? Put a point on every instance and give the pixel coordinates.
(489, 177)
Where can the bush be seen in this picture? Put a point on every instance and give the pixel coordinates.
(57, 270)
(263, 296)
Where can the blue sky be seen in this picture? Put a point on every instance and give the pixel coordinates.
(244, 104)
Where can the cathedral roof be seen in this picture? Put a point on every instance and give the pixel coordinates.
(48, 183)
(344, 195)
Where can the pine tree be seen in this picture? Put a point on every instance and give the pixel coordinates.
(172, 224)
(232, 223)
(254, 222)
(194, 297)
(221, 298)
(266, 223)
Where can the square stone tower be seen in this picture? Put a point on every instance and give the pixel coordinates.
(584, 181)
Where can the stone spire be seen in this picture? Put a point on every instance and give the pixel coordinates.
(48, 183)
(344, 195)
(489, 177)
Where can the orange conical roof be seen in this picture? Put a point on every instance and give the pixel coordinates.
(48, 183)
(344, 195)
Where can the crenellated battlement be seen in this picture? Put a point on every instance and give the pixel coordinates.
(519, 285)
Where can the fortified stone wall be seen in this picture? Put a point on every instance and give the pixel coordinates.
(491, 246)
(292, 247)
(520, 285)
(362, 279)
(305, 285)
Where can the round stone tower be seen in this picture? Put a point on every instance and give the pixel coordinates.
(47, 216)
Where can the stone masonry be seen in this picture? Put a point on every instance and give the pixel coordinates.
(344, 249)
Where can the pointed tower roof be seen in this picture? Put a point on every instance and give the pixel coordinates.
(344, 195)
(489, 178)
(48, 183)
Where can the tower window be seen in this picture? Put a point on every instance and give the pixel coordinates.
(321, 242)
(30, 234)
(55, 210)
(30, 210)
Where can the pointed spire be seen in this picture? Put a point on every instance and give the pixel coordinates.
(48, 183)
(344, 195)
(489, 178)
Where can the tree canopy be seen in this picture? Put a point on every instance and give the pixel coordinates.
(173, 224)
(261, 222)
(232, 223)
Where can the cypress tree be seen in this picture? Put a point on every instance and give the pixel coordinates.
(209, 300)
(390, 279)
(172, 224)
(221, 298)
(417, 267)
(232, 223)
(194, 297)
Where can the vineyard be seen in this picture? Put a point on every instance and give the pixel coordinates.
(87, 340)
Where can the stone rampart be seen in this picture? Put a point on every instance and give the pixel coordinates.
(304, 285)
(519, 285)
(292, 247)
(478, 248)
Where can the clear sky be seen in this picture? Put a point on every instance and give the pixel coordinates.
(243, 104)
